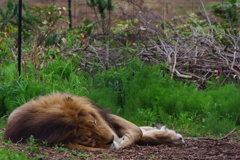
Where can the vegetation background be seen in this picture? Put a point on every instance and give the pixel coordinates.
(181, 71)
(166, 8)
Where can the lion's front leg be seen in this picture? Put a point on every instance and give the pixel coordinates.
(127, 132)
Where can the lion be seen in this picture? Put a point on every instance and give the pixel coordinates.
(77, 122)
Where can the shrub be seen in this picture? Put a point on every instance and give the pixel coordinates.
(229, 11)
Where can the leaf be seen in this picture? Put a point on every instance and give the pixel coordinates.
(86, 21)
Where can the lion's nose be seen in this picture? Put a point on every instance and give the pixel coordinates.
(111, 141)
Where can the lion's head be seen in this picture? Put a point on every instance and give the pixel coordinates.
(89, 132)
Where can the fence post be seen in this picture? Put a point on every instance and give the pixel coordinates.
(70, 13)
(19, 36)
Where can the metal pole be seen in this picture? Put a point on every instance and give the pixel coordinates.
(19, 36)
(70, 13)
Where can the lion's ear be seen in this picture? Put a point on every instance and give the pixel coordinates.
(68, 99)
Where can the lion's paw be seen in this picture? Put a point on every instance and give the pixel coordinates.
(115, 145)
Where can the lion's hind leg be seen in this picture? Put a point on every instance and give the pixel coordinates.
(155, 136)
(149, 129)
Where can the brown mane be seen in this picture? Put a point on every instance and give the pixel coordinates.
(47, 118)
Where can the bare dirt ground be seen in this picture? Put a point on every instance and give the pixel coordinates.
(195, 148)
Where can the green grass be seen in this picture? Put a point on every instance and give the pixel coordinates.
(150, 97)
(140, 93)
(10, 154)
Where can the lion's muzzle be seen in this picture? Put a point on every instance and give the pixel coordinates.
(111, 141)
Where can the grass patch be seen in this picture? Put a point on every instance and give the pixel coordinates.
(135, 93)
(9, 154)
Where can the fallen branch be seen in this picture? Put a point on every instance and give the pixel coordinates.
(231, 133)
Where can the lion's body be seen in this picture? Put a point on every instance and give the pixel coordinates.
(76, 122)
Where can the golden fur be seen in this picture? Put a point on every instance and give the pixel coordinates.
(77, 122)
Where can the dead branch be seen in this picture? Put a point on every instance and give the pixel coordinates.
(231, 133)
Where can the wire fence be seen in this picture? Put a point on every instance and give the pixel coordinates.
(79, 10)
(165, 8)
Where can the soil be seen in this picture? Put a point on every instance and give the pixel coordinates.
(195, 148)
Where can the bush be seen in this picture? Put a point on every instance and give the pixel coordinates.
(228, 11)
(145, 96)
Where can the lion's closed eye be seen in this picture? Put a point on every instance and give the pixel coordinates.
(89, 138)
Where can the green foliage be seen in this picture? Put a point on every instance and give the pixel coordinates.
(8, 15)
(79, 154)
(38, 21)
(60, 148)
(125, 27)
(2, 125)
(152, 157)
(102, 6)
(46, 31)
(9, 18)
(140, 93)
(148, 116)
(105, 156)
(58, 67)
(78, 36)
(10, 154)
(88, 27)
(6, 44)
(32, 146)
(145, 91)
(16, 91)
(229, 11)
(83, 155)
(50, 14)
(91, 3)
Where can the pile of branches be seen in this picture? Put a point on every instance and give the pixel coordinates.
(198, 56)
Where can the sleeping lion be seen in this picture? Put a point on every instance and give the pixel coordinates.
(76, 122)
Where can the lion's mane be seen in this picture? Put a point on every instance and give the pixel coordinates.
(53, 118)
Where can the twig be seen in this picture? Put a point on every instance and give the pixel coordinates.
(107, 55)
(6, 60)
(174, 58)
(94, 50)
(181, 75)
(231, 133)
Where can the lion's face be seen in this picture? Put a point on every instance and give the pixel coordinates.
(91, 133)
